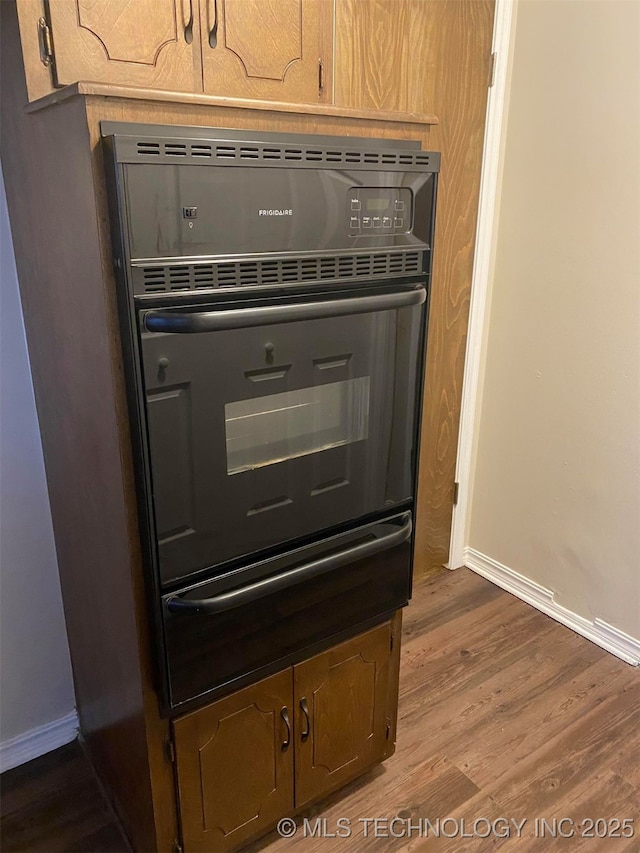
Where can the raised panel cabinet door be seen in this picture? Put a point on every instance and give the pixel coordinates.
(343, 707)
(234, 764)
(268, 49)
(142, 43)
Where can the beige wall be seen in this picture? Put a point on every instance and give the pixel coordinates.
(35, 685)
(556, 487)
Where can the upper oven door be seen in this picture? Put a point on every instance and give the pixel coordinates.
(271, 422)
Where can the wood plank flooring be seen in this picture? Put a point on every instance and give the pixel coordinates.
(503, 714)
(54, 803)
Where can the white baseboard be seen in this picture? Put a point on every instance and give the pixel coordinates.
(36, 742)
(598, 631)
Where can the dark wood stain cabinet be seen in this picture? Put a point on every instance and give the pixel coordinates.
(54, 174)
(234, 765)
(343, 712)
(420, 68)
(276, 746)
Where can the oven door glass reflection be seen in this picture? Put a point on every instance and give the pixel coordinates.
(262, 436)
(268, 430)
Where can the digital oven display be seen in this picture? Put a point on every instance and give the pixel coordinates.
(377, 203)
(379, 211)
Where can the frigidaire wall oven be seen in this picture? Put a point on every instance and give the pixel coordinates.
(273, 294)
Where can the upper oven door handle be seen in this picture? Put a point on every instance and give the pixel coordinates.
(276, 583)
(189, 322)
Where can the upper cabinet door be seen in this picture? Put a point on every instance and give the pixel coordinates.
(143, 43)
(268, 49)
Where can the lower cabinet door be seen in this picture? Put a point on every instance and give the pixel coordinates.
(342, 719)
(234, 765)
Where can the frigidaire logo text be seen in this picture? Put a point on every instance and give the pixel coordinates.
(275, 212)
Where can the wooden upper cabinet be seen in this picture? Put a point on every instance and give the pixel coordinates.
(268, 49)
(142, 43)
(344, 711)
(234, 765)
(275, 50)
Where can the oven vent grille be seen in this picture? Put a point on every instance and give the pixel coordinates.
(183, 277)
(229, 152)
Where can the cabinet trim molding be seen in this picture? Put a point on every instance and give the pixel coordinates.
(130, 93)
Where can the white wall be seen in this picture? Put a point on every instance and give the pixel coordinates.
(556, 485)
(36, 690)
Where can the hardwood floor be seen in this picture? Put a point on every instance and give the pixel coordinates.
(503, 714)
(54, 803)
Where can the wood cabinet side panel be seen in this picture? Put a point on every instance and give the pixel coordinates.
(431, 56)
(393, 683)
(55, 225)
(464, 50)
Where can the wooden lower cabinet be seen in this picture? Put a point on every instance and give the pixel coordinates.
(257, 755)
(342, 713)
(234, 765)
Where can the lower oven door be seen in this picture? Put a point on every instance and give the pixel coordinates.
(272, 422)
(238, 627)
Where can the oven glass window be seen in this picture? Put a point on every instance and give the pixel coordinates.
(265, 430)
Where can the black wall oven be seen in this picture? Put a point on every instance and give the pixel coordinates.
(273, 296)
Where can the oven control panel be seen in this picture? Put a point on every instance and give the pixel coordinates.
(378, 211)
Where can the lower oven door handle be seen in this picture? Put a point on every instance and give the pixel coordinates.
(189, 322)
(275, 583)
